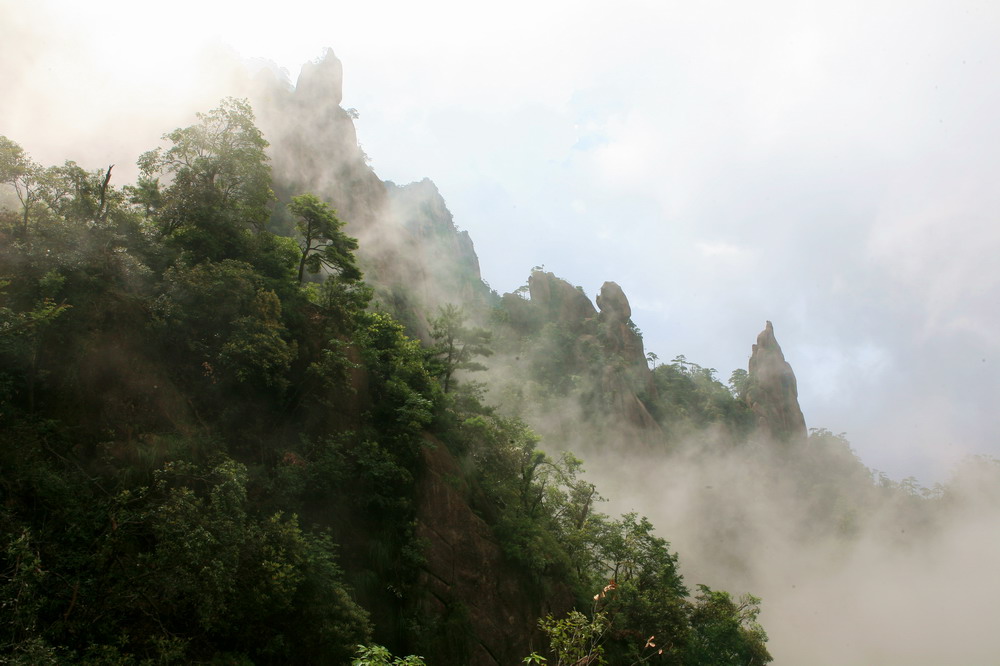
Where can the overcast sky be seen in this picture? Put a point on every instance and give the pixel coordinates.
(829, 167)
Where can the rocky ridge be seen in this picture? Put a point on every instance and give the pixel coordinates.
(601, 343)
(410, 250)
(417, 259)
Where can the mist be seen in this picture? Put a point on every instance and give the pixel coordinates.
(894, 589)
(853, 567)
(827, 168)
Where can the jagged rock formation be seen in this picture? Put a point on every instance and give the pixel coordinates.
(410, 249)
(322, 79)
(550, 300)
(559, 301)
(444, 265)
(621, 380)
(618, 333)
(416, 259)
(314, 145)
(772, 393)
(600, 345)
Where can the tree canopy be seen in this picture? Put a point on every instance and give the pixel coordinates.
(323, 243)
(209, 458)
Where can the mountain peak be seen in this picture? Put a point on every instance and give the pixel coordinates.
(322, 79)
(613, 302)
(773, 393)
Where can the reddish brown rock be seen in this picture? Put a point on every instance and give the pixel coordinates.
(483, 604)
(559, 301)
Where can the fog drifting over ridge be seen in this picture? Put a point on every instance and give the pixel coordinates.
(825, 167)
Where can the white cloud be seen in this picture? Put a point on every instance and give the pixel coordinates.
(725, 251)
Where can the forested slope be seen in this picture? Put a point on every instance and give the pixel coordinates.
(219, 449)
(259, 406)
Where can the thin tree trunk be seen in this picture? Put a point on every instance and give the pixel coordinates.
(101, 213)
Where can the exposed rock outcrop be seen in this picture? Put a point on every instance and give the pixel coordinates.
(445, 267)
(314, 145)
(618, 332)
(602, 346)
(558, 301)
(322, 79)
(613, 302)
(410, 249)
(627, 372)
(772, 392)
(485, 611)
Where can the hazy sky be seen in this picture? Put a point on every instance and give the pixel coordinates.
(828, 166)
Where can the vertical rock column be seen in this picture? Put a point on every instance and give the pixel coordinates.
(772, 393)
(626, 371)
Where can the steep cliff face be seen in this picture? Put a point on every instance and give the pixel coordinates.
(443, 267)
(772, 392)
(558, 301)
(471, 601)
(484, 612)
(566, 336)
(314, 145)
(410, 249)
(627, 372)
(619, 334)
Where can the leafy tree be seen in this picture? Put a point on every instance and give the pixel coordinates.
(690, 398)
(457, 344)
(725, 632)
(256, 352)
(220, 183)
(576, 639)
(222, 154)
(23, 174)
(65, 193)
(22, 335)
(201, 305)
(739, 382)
(146, 194)
(377, 655)
(21, 598)
(189, 555)
(400, 384)
(76, 195)
(323, 243)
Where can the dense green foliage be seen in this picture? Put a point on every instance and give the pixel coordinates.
(546, 518)
(323, 243)
(208, 458)
(377, 655)
(457, 344)
(155, 354)
(689, 398)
